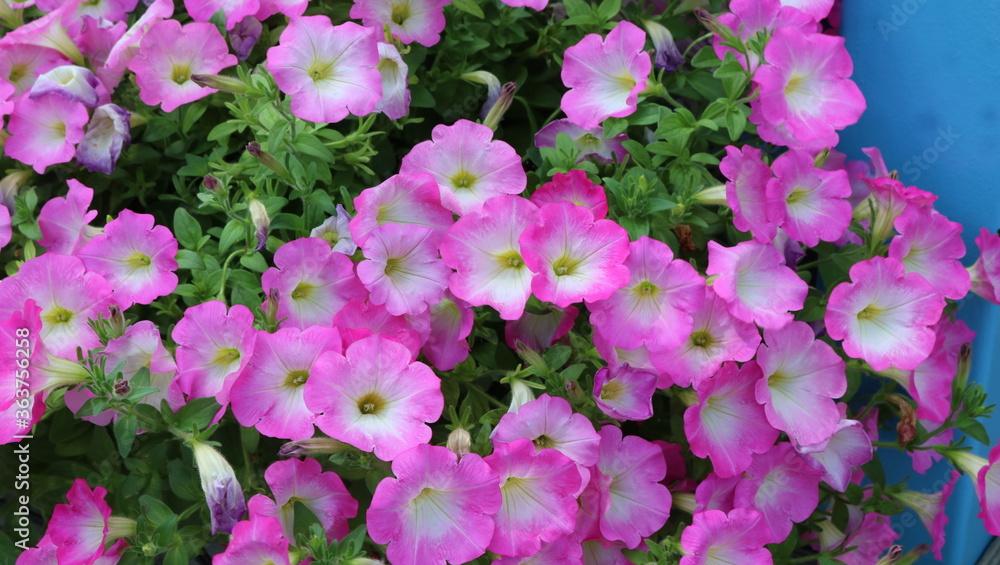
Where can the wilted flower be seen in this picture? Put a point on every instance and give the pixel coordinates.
(223, 494)
(107, 136)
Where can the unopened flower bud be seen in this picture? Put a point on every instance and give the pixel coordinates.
(122, 388)
(364, 561)
(529, 355)
(261, 221)
(460, 442)
(244, 36)
(266, 159)
(713, 195)
(821, 158)
(891, 558)
(500, 106)
(313, 446)
(962, 375)
(911, 556)
(668, 57)
(574, 391)
(520, 394)
(11, 184)
(273, 297)
(210, 183)
(222, 490)
(220, 82)
(713, 25)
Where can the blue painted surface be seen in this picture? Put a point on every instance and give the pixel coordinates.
(931, 75)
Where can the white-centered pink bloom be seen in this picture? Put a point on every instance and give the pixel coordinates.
(551, 423)
(21, 64)
(170, 53)
(563, 551)
(625, 392)
(576, 187)
(395, 101)
(930, 508)
(376, 399)
(65, 221)
(801, 378)
(931, 245)
(127, 47)
(468, 165)
(402, 269)
(884, 315)
(45, 131)
(451, 323)
(781, 485)
(931, 382)
(985, 272)
(213, 347)
(142, 347)
(539, 497)
(304, 482)
(747, 18)
(590, 142)
(746, 191)
(21, 407)
(728, 425)
(329, 71)
(718, 538)
(574, 257)
(755, 283)
(360, 319)
(420, 21)
(136, 257)
(815, 9)
(261, 539)
(484, 249)
(269, 394)
(73, 83)
(80, 529)
(407, 200)
(848, 448)
(810, 204)
(336, 231)
(437, 509)
(654, 308)
(313, 282)
(605, 76)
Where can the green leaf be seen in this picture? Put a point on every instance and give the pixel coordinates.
(638, 153)
(974, 429)
(189, 260)
(609, 8)
(125, 430)
(576, 8)
(197, 413)
(557, 356)
(469, 7)
(254, 262)
(705, 58)
(614, 126)
(573, 372)
(874, 471)
(233, 232)
(736, 120)
(154, 510)
(192, 114)
(164, 533)
(176, 556)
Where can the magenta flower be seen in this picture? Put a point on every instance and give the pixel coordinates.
(550, 423)
(270, 392)
(848, 448)
(213, 347)
(402, 199)
(873, 536)
(781, 485)
(469, 167)
(605, 77)
(716, 337)
(628, 473)
(234, 10)
(988, 489)
(107, 136)
(540, 331)
(930, 508)
(17, 402)
(80, 529)
(716, 493)
(884, 315)
(46, 553)
(437, 509)
(624, 392)
(485, 251)
(395, 101)
(376, 399)
(815, 9)
(590, 142)
(421, 21)
(810, 204)
(718, 538)
(746, 191)
(169, 54)
(931, 382)
(576, 187)
(44, 132)
(260, 539)
(539, 497)
(747, 18)
(312, 281)
(985, 272)
(931, 245)
(135, 257)
(402, 269)
(574, 257)
(360, 319)
(21, 64)
(804, 85)
(68, 296)
(5, 228)
(329, 71)
(728, 425)
(127, 47)
(451, 323)
(141, 346)
(324, 494)
(654, 308)
(755, 282)
(563, 551)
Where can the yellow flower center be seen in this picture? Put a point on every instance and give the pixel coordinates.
(565, 266)
(544, 442)
(645, 289)
(463, 179)
(371, 403)
(400, 13)
(180, 73)
(296, 378)
(57, 315)
(302, 290)
(138, 260)
(510, 259)
(701, 338)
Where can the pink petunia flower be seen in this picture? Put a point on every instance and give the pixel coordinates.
(540, 331)
(329, 71)
(312, 281)
(930, 384)
(985, 272)
(539, 497)
(420, 21)
(395, 101)
(469, 167)
(73, 83)
(550, 423)
(21, 64)
(376, 399)
(261, 539)
(96, 38)
(269, 394)
(931, 245)
(810, 204)
(590, 142)
(717, 493)
(80, 529)
(884, 315)
(170, 53)
(402, 199)
(290, 8)
(233, 10)
(46, 553)
(781, 485)
(485, 251)
(136, 258)
(44, 132)
(755, 282)
(402, 269)
(748, 18)
(728, 425)
(451, 323)
(624, 392)
(22, 402)
(563, 551)
(142, 347)
(815, 9)
(360, 319)
(654, 308)
(930, 508)
(47, 31)
(873, 536)
(213, 347)
(336, 231)
(718, 538)
(574, 257)
(437, 509)
(127, 47)
(107, 136)
(303, 481)
(533, 4)
(848, 448)
(5, 228)
(746, 191)
(576, 187)
(605, 77)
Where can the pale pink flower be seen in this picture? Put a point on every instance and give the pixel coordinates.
(469, 167)
(533, 4)
(329, 71)
(402, 269)
(781, 485)
(336, 231)
(988, 490)
(376, 399)
(590, 142)
(985, 272)
(755, 282)
(65, 221)
(47, 31)
(931, 382)
(848, 448)
(46, 553)
(810, 204)
(73, 83)
(437, 509)
(80, 529)
(540, 331)
(290, 8)
(213, 347)
(260, 539)
(21, 401)
(142, 347)
(884, 315)
(576, 187)
(96, 39)
(420, 21)
(45, 131)
(395, 101)
(233, 10)
(127, 47)
(815, 9)
(716, 493)
(749, 17)
(746, 191)
(5, 229)
(605, 76)
(550, 423)
(359, 319)
(624, 392)
(930, 508)
(718, 538)
(451, 323)
(407, 200)
(931, 245)
(21, 64)
(563, 551)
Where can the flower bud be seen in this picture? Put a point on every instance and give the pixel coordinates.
(266, 159)
(223, 494)
(668, 57)
(11, 184)
(713, 24)
(574, 392)
(108, 134)
(244, 36)
(460, 442)
(499, 107)
(261, 221)
(713, 195)
(313, 446)
(520, 394)
(891, 558)
(122, 388)
(273, 297)
(220, 82)
(210, 183)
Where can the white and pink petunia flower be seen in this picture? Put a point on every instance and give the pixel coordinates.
(716, 493)
(420, 21)
(563, 551)
(170, 53)
(931, 245)
(46, 553)
(213, 347)
(142, 347)
(728, 425)
(590, 142)
(73, 83)
(337, 232)
(313, 282)
(930, 508)
(468, 165)
(848, 448)
(985, 272)
(260, 539)
(136, 257)
(360, 319)
(20, 407)
(485, 251)
(746, 191)
(233, 10)
(80, 529)
(624, 392)
(749, 17)
(539, 497)
(540, 331)
(303, 481)
(783, 486)
(550, 423)
(395, 101)
(573, 256)
(437, 509)
(576, 187)
(884, 315)
(931, 382)
(269, 394)
(127, 47)
(402, 269)
(755, 283)
(654, 308)
(329, 71)
(801, 378)
(451, 323)
(605, 76)
(21, 64)
(815, 9)
(402, 199)
(45, 131)
(65, 221)
(809, 204)
(718, 538)
(376, 399)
